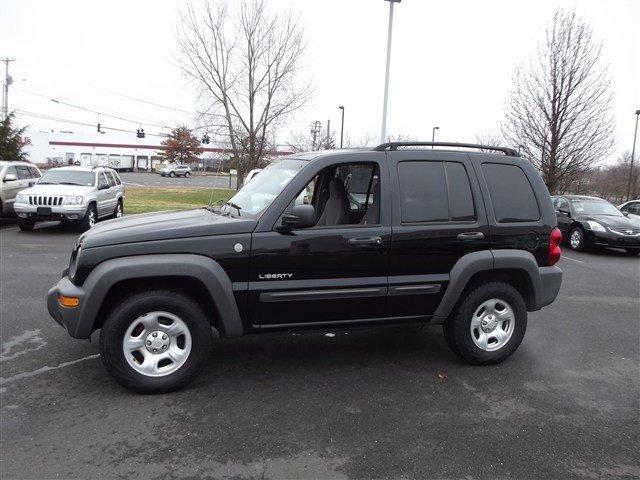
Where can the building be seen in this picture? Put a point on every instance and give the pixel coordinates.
(121, 151)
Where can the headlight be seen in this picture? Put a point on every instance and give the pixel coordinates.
(595, 226)
(22, 198)
(73, 200)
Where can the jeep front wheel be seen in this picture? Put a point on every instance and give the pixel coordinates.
(156, 341)
(488, 325)
(25, 224)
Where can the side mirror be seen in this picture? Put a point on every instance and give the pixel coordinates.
(301, 216)
(10, 177)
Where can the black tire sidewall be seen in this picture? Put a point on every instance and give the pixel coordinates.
(84, 223)
(26, 225)
(120, 318)
(459, 324)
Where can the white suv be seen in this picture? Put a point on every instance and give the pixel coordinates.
(80, 195)
(176, 170)
(15, 176)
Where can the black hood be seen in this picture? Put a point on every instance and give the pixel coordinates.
(164, 226)
(613, 221)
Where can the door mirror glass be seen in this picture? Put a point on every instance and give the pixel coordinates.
(10, 177)
(301, 216)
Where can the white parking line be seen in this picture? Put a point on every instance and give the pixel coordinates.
(572, 259)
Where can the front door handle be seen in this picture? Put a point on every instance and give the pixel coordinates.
(470, 236)
(359, 242)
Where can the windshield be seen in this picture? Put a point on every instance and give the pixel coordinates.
(67, 177)
(258, 194)
(595, 207)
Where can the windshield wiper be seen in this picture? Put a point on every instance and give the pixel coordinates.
(233, 205)
(70, 183)
(46, 183)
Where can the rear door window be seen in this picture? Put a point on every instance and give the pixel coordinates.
(432, 191)
(511, 193)
(102, 180)
(110, 179)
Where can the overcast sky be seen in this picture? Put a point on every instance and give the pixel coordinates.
(451, 65)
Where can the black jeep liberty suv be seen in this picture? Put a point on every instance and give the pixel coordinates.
(439, 233)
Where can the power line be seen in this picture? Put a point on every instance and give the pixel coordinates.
(44, 116)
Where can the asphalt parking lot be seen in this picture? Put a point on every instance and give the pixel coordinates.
(386, 403)
(195, 180)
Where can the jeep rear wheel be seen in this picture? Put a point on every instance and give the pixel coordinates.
(488, 325)
(156, 341)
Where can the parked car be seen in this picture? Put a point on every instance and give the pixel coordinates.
(78, 195)
(631, 208)
(441, 242)
(589, 221)
(15, 176)
(251, 174)
(176, 170)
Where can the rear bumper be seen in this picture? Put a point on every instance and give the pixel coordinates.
(550, 282)
(60, 212)
(67, 317)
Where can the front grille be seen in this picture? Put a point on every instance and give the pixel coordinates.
(626, 231)
(45, 200)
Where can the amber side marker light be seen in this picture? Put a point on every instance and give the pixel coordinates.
(68, 301)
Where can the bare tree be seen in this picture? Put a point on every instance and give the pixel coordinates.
(245, 63)
(559, 109)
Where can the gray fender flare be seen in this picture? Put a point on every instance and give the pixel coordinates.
(199, 267)
(487, 260)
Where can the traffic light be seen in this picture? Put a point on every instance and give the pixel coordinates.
(99, 130)
(205, 139)
(140, 133)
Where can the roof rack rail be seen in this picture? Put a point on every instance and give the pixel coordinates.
(509, 152)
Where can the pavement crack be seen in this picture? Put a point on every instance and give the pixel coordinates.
(31, 338)
(46, 368)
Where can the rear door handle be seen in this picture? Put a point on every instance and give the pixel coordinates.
(360, 242)
(470, 236)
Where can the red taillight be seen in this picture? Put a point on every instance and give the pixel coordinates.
(555, 239)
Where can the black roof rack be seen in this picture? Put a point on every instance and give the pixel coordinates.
(509, 152)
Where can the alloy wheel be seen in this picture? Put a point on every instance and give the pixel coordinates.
(157, 344)
(492, 324)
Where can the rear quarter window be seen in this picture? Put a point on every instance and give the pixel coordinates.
(511, 193)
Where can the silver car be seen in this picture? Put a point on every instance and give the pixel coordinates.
(15, 176)
(79, 195)
(176, 170)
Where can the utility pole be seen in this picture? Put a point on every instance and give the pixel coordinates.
(341, 107)
(316, 127)
(328, 141)
(633, 153)
(383, 135)
(5, 91)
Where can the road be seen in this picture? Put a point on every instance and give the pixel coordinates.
(386, 403)
(155, 180)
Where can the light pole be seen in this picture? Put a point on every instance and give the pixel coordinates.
(433, 133)
(341, 107)
(383, 134)
(633, 152)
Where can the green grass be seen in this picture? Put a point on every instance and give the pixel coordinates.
(152, 199)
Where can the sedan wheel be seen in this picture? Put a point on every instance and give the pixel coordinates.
(576, 239)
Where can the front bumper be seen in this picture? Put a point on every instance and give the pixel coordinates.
(68, 317)
(60, 212)
(611, 239)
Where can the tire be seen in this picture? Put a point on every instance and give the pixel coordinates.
(90, 218)
(26, 225)
(172, 174)
(578, 243)
(119, 210)
(122, 323)
(186, 175)
(632, 251)
(463, 337)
